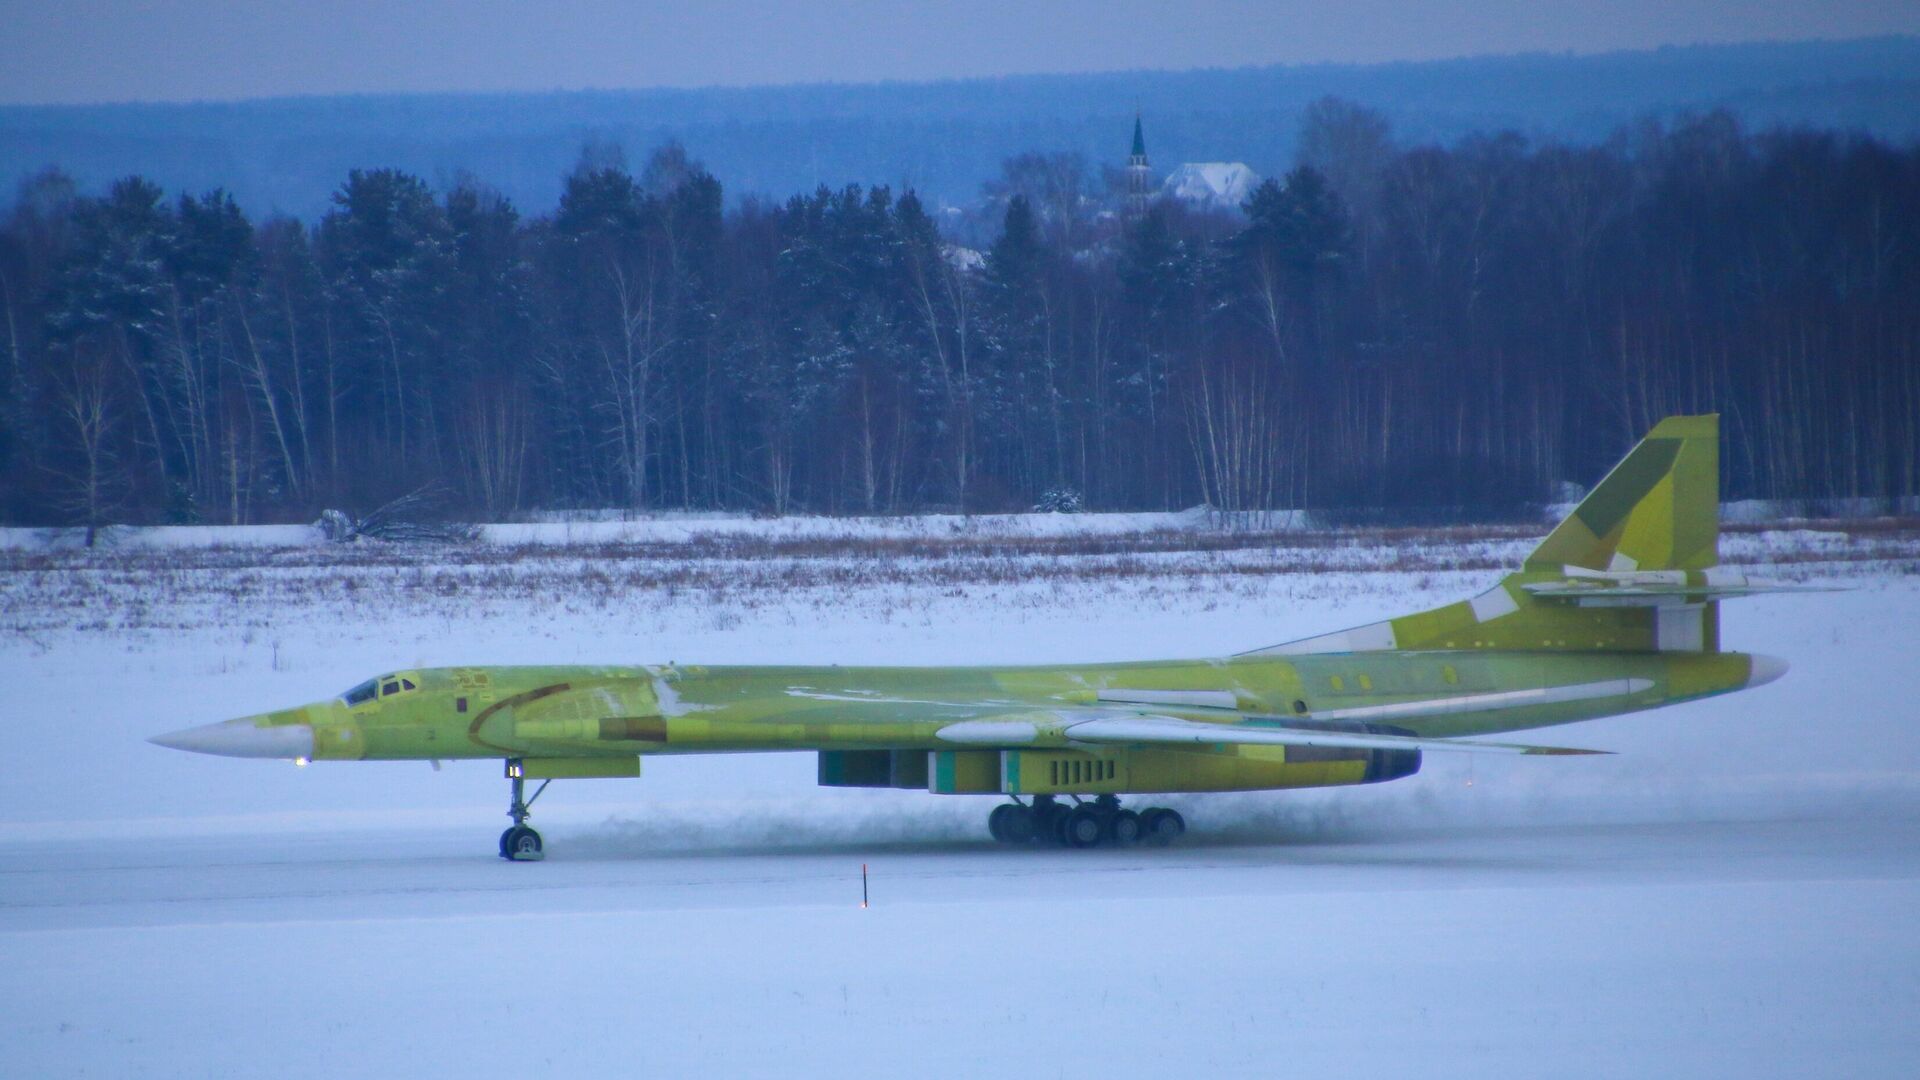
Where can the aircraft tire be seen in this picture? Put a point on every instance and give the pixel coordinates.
(1162, 826)
(1056, 827)
(1018, 826)
(1083, 828)
(522, 844)
(997, 822)
(1123, 829)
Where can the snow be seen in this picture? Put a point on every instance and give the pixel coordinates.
(1731, 895)
(650, 527)
(1728, 950)
(965, 259)
(1213, 184)
(581, 527)
(162, 537)
(681, 528)
(1771, 510)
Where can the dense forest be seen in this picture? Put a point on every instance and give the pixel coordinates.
(943, 138)
(1387, 325)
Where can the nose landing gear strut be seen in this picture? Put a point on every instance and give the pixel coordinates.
(520, 843)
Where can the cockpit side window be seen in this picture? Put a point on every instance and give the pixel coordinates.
(406, 684)
(390, 688)
(361, 694)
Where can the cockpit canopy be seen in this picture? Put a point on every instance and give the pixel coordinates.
(384, 686)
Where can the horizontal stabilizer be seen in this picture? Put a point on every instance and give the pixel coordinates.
(1653, 588)
(1167, 730)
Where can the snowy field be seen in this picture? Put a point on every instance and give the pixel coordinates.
(1732, 895)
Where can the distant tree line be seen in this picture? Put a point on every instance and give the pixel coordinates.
(943, 138)
(1385, 327)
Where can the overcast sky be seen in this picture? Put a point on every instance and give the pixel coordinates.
(121, 50)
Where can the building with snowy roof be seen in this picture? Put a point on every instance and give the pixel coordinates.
(1211, 185)
(1205, 185)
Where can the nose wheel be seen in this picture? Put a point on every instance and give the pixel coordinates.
(1100, 823)
(520, 843)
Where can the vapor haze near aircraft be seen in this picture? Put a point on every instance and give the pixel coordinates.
(123, 51)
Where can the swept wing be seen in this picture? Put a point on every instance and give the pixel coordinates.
(1102, 727)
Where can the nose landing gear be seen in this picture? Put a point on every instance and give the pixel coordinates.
(520, 843)
(1099, 823)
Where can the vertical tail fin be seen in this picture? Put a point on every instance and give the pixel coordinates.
(1659, 509)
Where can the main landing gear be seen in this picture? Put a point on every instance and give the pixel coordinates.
(520, 843)
(1083, 824)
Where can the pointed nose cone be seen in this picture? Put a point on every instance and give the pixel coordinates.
(244, 737)
(1764, 669)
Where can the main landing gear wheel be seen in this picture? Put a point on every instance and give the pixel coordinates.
(1099, 823)
(1083, 827)
(1011, 823)
(1058, 833)
(1016, 823)
(997, 821)
(520, 843)
(1049, 820)
(1161, 826)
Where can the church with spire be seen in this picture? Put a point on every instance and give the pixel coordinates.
(1204, 185)
(1139, 173)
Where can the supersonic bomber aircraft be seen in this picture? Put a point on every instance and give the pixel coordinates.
(1617, 610)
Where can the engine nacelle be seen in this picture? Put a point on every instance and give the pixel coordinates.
(1118, 771)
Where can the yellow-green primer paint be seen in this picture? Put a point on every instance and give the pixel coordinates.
(1496, 663)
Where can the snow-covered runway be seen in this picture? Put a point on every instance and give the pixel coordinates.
(1742, 948)
(1732, 895)
(431, 874)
